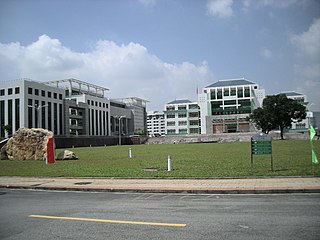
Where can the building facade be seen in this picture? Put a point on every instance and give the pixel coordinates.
(156, 124)
(138, 108)
(182, 117)
(67, 107)
(26, 104)
(226, 105)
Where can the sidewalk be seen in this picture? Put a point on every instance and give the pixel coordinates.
(203, 186)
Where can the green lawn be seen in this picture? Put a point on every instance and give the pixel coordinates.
(291, 158)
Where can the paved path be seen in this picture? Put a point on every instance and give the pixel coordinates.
(224, 185)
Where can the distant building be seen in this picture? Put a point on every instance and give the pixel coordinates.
(156, 124)
(138, 108)
(304, 125)
(182, 117)
(226, 105)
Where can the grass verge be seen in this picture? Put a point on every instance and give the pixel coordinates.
(291, 158)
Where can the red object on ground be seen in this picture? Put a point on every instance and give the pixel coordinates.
(50, 151)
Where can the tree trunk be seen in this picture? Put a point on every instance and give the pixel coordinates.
(281, 133)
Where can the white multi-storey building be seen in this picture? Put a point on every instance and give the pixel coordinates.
(226, 105)
(182, 117)
(26, 103)
(67, 107)
(156, 124)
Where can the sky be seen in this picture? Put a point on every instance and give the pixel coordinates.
(163, 50)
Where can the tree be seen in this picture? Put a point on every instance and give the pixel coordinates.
(278, 111)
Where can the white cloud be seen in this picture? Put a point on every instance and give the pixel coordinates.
(266, 53)
(309, 42)
(220, 8)
(308, 82)
(128, 70)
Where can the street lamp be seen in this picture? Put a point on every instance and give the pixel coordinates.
(123, 116)
(37, 108)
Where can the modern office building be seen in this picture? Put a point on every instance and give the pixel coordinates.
(138, 108)
(67, 107)
(26, 103)
(182, 117)
(155, 124)
(225, 105)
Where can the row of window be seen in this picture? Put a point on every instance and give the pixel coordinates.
(183, 123)
(10, 91)
(43, 93)
(96, 103)
(226, 92)
(182, 115)
(182, 131)
(181, 107)
(10, 126)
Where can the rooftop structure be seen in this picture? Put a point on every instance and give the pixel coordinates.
(77, 87)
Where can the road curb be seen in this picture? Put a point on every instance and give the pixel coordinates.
(181, 191)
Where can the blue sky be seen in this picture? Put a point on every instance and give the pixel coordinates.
(162, 50)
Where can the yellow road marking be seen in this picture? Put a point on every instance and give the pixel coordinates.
(110, 221)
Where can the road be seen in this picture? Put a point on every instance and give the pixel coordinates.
(38, 215)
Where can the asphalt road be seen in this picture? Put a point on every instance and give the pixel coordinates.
(26, 214)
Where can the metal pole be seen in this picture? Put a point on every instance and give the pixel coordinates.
(119, 131)
(130, 152)
(169, 163)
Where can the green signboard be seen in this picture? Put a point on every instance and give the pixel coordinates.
(261, 144)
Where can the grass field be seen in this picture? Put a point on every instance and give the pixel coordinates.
(290, 157)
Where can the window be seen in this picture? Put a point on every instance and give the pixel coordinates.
(60, 96)
(99, 104)
(107, 105)
(247, 92)
(230, 102)
(182, 107)
(55, 95)
(9, 91)
(213, 94)
(49, 94)
(170, 108)
(183, 131)
(240, 93)
(233, 92)
(88, 101)
(17, 90)
(171, 131)
(30, 113)
(2, 114)
(182, 123)
(171, 123)
(43, 93)
(103, 105)
(193, 114)
(194, 130)
(193, 106)
(171, 115)
(194, 123)
(226, 92)
(36, 92)
(219, 94)
(1, 92)
(29, 90)
(43, 114)
(182, 115)
(10, 115)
